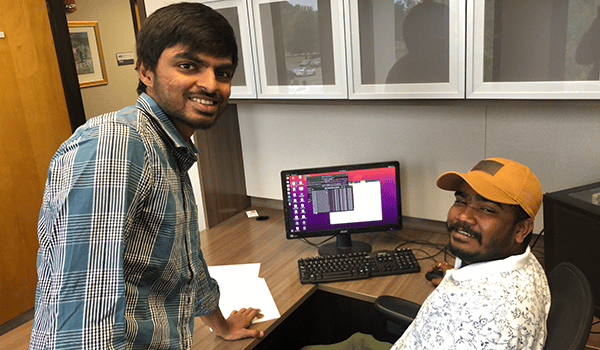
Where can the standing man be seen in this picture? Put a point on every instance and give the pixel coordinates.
(119, 263)
(497, 295)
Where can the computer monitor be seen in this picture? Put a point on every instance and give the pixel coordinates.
(342, 200)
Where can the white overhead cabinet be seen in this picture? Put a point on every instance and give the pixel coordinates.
(534, 49)
(414, 49)
(300, 49)
(406, 49)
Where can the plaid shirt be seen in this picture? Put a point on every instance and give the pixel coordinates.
(119, 263)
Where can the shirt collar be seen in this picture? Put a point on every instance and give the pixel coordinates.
(148, 105)
(487, 268)
(184, 151)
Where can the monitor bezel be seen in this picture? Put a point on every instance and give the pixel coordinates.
(352, 230)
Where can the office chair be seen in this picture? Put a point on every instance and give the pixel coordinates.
(569, 320)
(571, 312)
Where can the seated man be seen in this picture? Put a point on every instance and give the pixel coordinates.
(497, 296)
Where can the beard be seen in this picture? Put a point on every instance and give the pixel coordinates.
(497, 249)
(460, 253)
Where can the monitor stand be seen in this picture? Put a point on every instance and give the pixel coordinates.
(344, 245)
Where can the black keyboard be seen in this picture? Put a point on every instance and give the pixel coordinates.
(355, 266)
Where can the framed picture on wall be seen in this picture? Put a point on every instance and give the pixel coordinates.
(87, 51)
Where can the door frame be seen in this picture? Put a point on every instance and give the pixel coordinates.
(66, 62)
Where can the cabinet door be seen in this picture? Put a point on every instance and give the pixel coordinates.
(243, 85)
(533, 49)
(406, 49)
(300, 49)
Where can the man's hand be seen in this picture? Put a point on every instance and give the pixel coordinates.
(236, 325)
(239, 321)
(440, 268)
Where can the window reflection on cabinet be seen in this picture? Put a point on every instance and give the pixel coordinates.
(236, 12)
(535, 49)
(407, 49)
(300, 48)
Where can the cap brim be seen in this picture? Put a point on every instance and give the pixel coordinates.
(451, 181)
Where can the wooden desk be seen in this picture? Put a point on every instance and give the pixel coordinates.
(241, 240)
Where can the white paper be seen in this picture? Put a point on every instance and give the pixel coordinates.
(241, 287)
(224, 273)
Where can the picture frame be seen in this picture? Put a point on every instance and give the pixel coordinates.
(87, 52)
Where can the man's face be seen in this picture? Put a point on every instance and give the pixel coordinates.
(480, 229)
(192, 88)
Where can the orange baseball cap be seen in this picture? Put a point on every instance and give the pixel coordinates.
(499, 180)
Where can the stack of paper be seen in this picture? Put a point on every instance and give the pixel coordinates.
(242, 288)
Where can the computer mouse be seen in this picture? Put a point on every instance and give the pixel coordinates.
(434, 274)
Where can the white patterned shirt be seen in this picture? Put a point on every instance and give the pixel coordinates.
(119, 264)
(500, 304)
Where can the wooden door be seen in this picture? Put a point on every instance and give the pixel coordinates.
(34, 120)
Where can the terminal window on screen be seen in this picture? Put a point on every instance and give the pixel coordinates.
(345, 201)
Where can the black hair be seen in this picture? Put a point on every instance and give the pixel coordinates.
(194, 25)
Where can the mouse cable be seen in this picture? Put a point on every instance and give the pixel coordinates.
(537, 239)
(593, 324)
(443, 250)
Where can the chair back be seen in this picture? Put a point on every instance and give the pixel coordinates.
(571, 311)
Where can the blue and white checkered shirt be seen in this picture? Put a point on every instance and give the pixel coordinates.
(119, 263)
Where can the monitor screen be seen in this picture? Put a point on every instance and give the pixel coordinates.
(341, 200)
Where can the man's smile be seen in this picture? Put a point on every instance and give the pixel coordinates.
(203, 101)
(465, 233)
(462, 232)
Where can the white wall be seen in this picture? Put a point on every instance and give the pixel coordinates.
(195, 179)
(558, 140)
